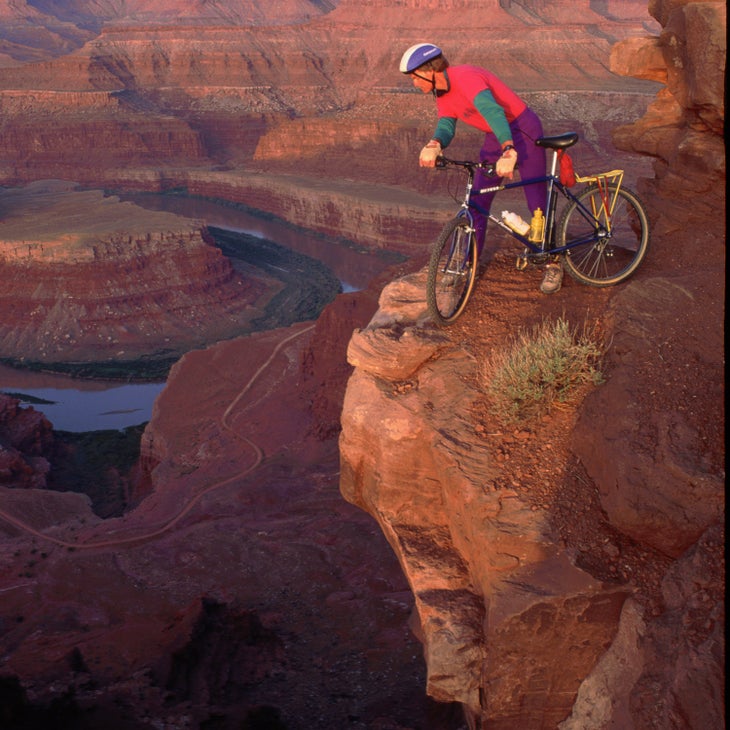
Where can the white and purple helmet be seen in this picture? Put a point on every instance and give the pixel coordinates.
(417, 55)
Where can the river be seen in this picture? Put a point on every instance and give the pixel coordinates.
(73, 404)
(355, 269)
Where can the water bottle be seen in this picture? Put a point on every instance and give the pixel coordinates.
(516, 223)
(537, 226)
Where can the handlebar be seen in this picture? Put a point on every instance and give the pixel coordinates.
(489, 167)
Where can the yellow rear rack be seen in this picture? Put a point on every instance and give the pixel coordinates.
(602, 180)
(607, 177)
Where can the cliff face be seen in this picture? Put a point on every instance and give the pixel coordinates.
(683, 131)
(502, 570)
(498, 597)
(518, 544)
(243, 590)
(322, 98)
(275, 116)
(683, 128)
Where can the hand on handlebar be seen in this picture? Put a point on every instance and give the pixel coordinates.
(506, 164)
(429, 154)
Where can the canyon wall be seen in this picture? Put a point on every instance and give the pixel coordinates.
(579, 587)
(321, 98)
(683, 128)
(502, 585)
(292, 119)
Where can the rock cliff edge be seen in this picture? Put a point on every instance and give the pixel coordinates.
(560, 595)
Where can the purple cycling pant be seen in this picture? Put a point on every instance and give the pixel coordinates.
(531, 162)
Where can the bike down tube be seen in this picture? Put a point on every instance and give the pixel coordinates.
(516, 184)
(521, 184)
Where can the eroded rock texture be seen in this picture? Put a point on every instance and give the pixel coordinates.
(242, 589)
(303, 115)
(87, 278)
(683, 128)
(26, 437)
(513, 626)
(497, 596)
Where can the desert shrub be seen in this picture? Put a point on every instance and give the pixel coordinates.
(540, 367)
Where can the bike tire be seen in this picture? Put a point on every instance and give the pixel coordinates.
(615, 256)
(452, 271)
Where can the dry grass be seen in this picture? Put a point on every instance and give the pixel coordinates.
(540, 368)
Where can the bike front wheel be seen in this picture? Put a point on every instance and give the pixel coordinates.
(451, 271)
(619, 227)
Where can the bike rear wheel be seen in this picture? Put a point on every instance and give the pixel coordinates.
(451, 271)
(622, 227)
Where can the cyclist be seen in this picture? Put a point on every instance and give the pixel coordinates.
(479, 98)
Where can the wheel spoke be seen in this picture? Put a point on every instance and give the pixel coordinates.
(623, 235)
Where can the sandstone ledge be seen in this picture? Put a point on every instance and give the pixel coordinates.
(497, 595)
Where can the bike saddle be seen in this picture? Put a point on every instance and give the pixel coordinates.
(559, 141)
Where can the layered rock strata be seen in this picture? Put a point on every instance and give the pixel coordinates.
(502, 585)
(155, 101)
(87, 278)
(640, 668)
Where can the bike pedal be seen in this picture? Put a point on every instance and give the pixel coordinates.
(521, 263)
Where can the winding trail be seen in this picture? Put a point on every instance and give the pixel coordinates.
(196, 498)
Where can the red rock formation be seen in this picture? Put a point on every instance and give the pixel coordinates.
(226, 591)
(217, 111)
(683, 129)
(26, 438)
(671, 501)
(301, 99)
(496, 594)
(117, 284)
(502, 587)
(517, 624)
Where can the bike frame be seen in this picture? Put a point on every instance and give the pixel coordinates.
(590, 221)
(554, 187)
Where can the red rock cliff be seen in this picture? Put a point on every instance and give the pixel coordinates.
(520, 624)
(151, 104)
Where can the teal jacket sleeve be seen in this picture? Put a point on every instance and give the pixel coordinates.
(445, 130)
(494, 115)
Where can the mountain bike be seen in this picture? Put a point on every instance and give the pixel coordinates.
(601, 236)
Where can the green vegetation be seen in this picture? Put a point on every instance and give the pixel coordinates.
(543, 366)
(308, 285)
(143, 369)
